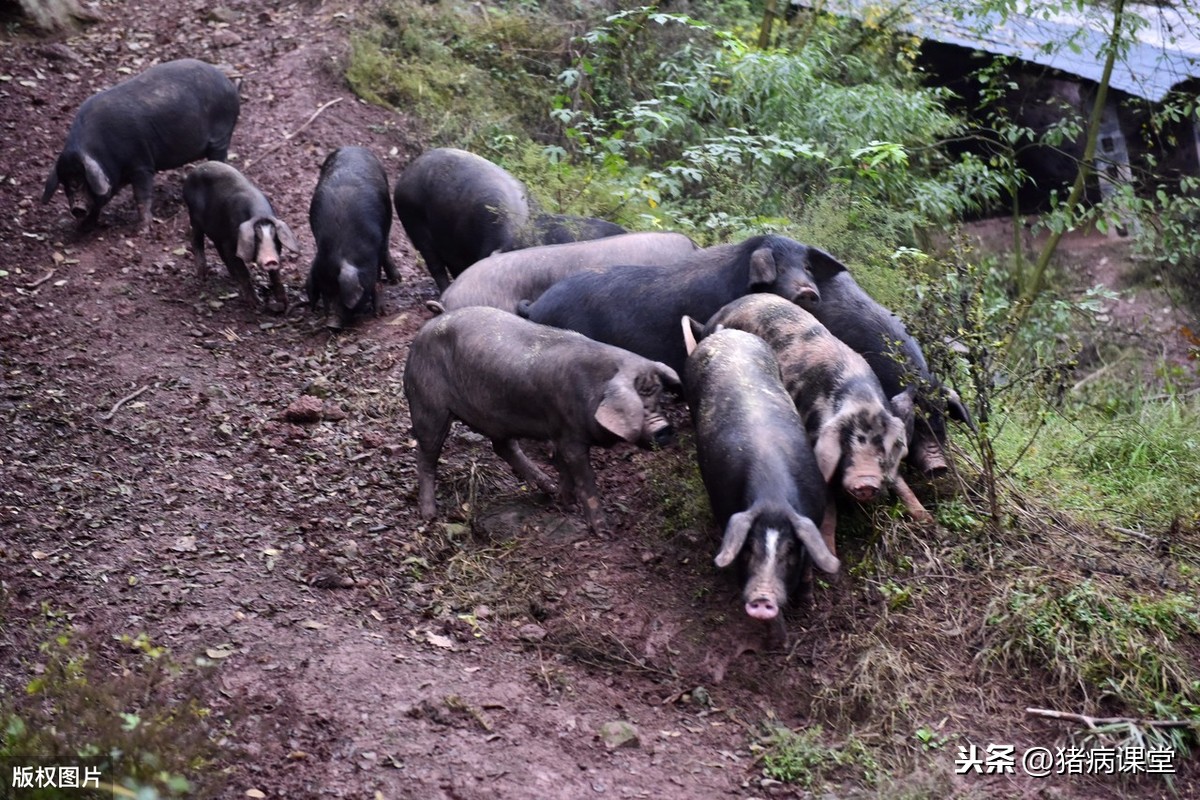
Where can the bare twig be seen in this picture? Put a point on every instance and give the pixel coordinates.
(293, 134)
(40, 281)
(117, 406)
(1132, 532)
(1093, 722)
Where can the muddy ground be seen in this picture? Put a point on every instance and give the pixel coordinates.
(152, 481)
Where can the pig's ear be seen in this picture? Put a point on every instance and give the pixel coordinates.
(814, 543)
(736, 531)
(669, 377)
(97, 181)
(350, 286)
(823, 266)
(51, 185)
(828, 451)
(693, 332)
(762, 267)
(245, 241)
(958, 410)
(620, 411)
(902, 406)
(286, 237)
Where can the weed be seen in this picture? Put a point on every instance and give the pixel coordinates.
(802, 758)
(1099, 639)
(141, 723)
(497, 63)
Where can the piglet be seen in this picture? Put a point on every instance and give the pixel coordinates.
(510, 379)
(351, 219)
(759, 471)
(231, 211)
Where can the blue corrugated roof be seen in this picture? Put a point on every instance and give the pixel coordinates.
(1167, 51)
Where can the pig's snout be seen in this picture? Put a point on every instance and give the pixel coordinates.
(762, 607)
(78, 210)
(657, 432)
(663, 435)
(807, 294)
(864, 489)
(930, 458)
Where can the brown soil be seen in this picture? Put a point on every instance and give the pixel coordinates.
(150, 481)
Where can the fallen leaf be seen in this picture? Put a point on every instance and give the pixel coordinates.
(255, 793)
(437, 640)
(39, 555)
(218, 653)
(184, 544)
(313, 625)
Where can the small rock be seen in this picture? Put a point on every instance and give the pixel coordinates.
(531, 633)
(332, 412)
(619, 734)
(304, 410)
(226, 38)
(393, 449)
(220, 14)
(318, 387)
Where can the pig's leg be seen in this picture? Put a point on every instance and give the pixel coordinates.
(566, 478)
(905, 493)
(388, 267)
(525, 469)
(143, 195)
(437, 268)
(241, 276)
(430, 430)
(198, 253)
(829, 524)
(574, 457)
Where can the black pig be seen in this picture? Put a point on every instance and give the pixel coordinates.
(639, 307)
(227, 208)
(759, 470)
(167, 116)
(458, 208)
(504, 279)
(882, 339)
(351, 219)
(510, 379)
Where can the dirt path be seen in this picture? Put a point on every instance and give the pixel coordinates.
(361, 652)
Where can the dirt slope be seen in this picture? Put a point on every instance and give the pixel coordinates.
(150, 481)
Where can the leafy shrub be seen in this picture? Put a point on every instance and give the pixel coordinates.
(141, 723)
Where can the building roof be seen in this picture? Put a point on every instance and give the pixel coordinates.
(1167, 51)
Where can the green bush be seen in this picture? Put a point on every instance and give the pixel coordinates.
(137, 717)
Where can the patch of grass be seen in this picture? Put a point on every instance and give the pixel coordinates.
(1099, 637)
(673, 486)
(803, 758)
(467, 70)
(135, 715)
(1136, 468)
(561, 186)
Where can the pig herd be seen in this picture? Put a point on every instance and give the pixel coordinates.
(563, 329)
